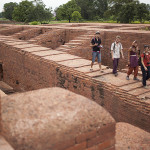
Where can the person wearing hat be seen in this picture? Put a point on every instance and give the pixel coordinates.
(145, 67)
(96, 46)
(116, 49)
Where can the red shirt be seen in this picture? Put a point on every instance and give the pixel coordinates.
(146, 59)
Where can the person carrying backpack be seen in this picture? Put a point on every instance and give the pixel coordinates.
(116, 49)
(145, 65)
(133, 61)
(96, 46)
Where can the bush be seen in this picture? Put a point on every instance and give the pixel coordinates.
(34, 23)
(44, 22)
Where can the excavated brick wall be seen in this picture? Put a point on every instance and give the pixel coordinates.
(47, 37)
(127, 38)
(24, 71)
(56, 119)
(12, 30)
(30, 33)
(57, 37)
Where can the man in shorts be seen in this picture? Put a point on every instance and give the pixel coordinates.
(96, 46)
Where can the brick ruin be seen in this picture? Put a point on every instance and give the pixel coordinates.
(38, 57)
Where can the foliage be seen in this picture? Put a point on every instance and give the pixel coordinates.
(123, 11)
(1, 15)
(34, 23)
(127, 14)
(40, 12)
(90, 9)
(65, 11)
(23, 12)
(126, 11)
(8, 10)
(76, 16)
(143, 12)
(28, 11)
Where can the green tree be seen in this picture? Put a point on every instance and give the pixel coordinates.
(24, 11)
(76, 16)
(142, 12)
(1, 15)
(123, 11)
(65, 11)
(8, 10)
(91, 9)
(28, 11)
(128, 13)
(40, 12)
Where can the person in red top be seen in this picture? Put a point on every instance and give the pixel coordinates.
(145, 67)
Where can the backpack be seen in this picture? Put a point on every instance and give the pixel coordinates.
(114, 48)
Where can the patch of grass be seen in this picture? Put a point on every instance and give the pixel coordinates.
(3, 19)
(138, 22)
(34, 23)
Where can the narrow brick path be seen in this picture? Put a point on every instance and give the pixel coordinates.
(79, 64)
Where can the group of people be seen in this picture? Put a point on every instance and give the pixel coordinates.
(135, 59)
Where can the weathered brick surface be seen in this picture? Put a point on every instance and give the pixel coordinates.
(4, 145)
(54, 118)
(12, 30)
(20, 74)
(80, 146)
(131, 137)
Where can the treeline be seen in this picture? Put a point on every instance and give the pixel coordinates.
(27, 11)
(122, 11)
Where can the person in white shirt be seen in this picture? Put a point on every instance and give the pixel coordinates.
(116, 49)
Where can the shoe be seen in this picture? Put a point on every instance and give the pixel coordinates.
(145, 87)
(116, 74)
(135, 78)
(127, 78)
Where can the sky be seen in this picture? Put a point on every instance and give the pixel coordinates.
(51, 3)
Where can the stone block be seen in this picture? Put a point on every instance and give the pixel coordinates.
(53, 118)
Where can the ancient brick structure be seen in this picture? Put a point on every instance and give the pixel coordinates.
(56, 119)
(31, 61)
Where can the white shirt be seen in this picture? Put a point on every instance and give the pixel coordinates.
(116, 49)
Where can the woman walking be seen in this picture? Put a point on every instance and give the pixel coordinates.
(133, 61)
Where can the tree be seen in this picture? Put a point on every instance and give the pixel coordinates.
(123, 11)
(28, 11)
(142, 12)
(24, 11)
(40, 12)
(76, 16)
(127, 14)
(65, 11)
(8, 10)
(91, 9)
(1, 15)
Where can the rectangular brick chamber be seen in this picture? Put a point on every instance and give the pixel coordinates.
(24, 71)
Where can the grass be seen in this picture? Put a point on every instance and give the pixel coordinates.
(81, 21)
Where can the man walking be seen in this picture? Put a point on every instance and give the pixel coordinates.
(96, 45)
(116, 49)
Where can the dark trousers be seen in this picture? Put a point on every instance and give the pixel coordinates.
(115, 65)
(145, 74)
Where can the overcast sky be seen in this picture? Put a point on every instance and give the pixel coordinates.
(51, 3)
